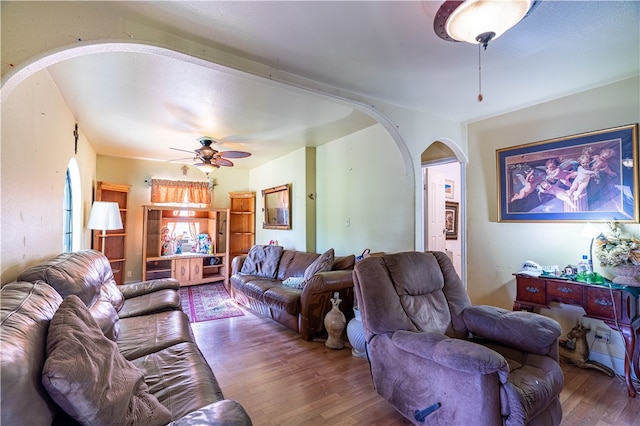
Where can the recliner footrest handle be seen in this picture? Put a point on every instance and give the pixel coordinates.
(421, 415)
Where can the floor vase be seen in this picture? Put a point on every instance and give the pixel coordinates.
(335, 323)
(355, 333)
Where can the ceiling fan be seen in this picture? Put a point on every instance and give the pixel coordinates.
(210, 158)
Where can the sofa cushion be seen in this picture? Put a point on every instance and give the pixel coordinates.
(340, 263)
(88, 378)
(107, 318)
(255, 287)
(294, 263)
(83, 273)
(225, 412)
(180, 378)
(262, 261)
(26, 311)
(321, 264)
(140, 336)
(283, 298)
(158, 301)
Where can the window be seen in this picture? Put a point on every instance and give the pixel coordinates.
(72, 208)
(67, 216)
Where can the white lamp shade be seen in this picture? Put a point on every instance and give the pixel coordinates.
(105, 216)
(206, 167)
(475, 17)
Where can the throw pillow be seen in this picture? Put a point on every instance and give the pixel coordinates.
(85, 374)
(294, 282)
(262, 261)
(322, 264)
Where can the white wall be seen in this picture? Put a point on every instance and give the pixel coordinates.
(37, 144)
(496, 250)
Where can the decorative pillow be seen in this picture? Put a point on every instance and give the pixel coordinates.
(294, 282)
(86, 375)
(322, 264)
(262, 261)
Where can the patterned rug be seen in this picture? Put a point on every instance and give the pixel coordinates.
(208, 302)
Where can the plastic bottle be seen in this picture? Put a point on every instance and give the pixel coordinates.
(583, 265)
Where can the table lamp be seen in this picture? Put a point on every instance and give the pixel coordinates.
(105, 216)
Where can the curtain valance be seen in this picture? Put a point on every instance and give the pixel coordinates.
(179, 191)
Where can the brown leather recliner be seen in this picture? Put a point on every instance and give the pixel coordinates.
(439, 360)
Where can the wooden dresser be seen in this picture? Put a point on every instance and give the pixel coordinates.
(617, 306)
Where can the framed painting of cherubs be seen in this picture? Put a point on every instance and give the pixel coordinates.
(587, 177)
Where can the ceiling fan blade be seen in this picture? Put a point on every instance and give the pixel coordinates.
(183, 150)
(222, 162)
(181, 159)
(234, 154)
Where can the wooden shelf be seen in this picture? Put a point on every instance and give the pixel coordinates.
(242, 222)
(188, 268)
(114, 241)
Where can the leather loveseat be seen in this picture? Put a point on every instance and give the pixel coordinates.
(259, 281)
(78, 348)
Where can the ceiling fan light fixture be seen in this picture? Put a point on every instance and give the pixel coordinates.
(473, 21)
(206, 167)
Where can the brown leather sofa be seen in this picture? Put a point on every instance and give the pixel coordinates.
(65, 316)
(300, 309)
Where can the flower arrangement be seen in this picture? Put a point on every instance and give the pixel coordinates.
(614, 250)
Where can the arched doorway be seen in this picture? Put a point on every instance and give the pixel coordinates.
(443, 203)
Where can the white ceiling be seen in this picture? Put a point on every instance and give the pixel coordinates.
(139, 105)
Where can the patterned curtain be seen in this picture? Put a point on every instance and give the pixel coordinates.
(179, 191)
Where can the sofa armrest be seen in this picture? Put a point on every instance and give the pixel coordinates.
(329, 281)
(315, 300)
(220, 413)
(526, 331)
(146, 287)
(457, 354)
(236, 264)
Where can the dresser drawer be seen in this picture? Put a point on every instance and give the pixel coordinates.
(531, 291)
(565, 292)
(602, 303)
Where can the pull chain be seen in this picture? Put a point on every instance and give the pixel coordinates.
(480, 97)
(483, 41)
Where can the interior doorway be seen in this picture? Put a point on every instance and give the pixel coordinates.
(443, 204)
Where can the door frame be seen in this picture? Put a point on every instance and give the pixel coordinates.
(462, 230)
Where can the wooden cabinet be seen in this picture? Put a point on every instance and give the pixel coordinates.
(242, 222)
(188, 267)
(189, 270)
(616, 305)
(115, 241)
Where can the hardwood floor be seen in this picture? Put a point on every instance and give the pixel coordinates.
(282, 380)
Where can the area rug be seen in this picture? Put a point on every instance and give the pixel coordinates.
(207, 302)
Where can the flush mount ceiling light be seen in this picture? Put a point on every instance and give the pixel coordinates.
(479, 21)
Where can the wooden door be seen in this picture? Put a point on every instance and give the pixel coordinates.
(434, 210)
(183, 271)
(195, 268)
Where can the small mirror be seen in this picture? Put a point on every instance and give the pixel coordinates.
(277, 207)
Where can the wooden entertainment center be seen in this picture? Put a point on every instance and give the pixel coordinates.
(617, 306)
(190, 268)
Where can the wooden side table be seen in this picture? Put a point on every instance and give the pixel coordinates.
(617, 306)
